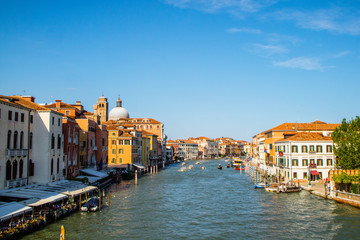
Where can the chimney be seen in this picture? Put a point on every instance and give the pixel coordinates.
(58, 103)
(29, 98)
(78, 102)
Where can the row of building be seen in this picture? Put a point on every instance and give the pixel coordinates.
(42, 143)
(296, 150)
(206, 148)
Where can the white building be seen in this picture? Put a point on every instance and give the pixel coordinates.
(46, 155)
(304, 153)
(16, 139)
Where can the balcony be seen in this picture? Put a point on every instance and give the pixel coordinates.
(104, 148)
(94, 148)
(16, 183)
(16, 152)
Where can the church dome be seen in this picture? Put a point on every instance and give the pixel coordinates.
(118, 112)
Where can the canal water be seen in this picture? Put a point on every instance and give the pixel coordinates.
(207, 204)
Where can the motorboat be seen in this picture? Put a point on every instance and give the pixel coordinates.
(289, 187)
(198, 162)
(272, 187)
(183, 163)
(202, 167)
(92, 205)
(228, 165)
(191, 167)
(260, 185)
(219, 167)
(182, 169)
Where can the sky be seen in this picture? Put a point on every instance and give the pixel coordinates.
(215, 68)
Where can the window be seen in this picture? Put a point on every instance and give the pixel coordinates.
(113, 142)
(21, 168)
(14, 176)
(31, 140)
(113, 134)
(329, 148)
(312, 161)
(52, 167)
(120, 160)
(295, 162)
(121, 151)
(127, 142)
(31, 118)
(304, 149)
(52, 141)
(52, 120)
(67, 112)
(15, 139)
(16, 116)
(294, 149)
(58, 121)
(59, 142)
(10, 115)
(319, 162)
(9, 139)
(312, 148)
(271, 146)
(21, 140)
(305, 175)
(32, 168)
(113, 151)
(58, 166)
(8, 170)
(319, 149)
(305, 162)
(295, 175)
(121, 142)
(22, 118)
(113, 160)
(329, 162)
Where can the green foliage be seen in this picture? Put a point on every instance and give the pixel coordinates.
(355, 188)
(346, 140)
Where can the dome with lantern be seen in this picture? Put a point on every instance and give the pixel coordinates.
(118, 112)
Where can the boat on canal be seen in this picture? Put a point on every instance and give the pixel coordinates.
(219, 167)
(92, 205)
(259, 185)
(228, 165)
(236, 163)
(272, 187)
(289, 188)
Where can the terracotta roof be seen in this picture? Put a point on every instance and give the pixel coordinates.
(21, 101)
(10, 101)
(306, 136)
(62, 105)
(146, 132)
(315, 126)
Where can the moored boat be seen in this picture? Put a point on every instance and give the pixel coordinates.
(92, 205)
(260, 185)
(219, 167)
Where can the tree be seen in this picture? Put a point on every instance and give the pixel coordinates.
(346, 140)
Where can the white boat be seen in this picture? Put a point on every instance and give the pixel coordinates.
(183, 163)
(197, 162)
(182, 169)
(191, 167)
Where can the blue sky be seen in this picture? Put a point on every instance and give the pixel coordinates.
(204, 68)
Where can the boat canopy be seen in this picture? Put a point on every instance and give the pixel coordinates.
(138, 166)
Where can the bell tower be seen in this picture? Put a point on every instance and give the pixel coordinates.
(102, 109)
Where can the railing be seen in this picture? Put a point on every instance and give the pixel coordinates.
(95, 148)
(16, 182)
(16, 152)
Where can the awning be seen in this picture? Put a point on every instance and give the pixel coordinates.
(93, 173)
(47, 200)
(118, 166)
(12, 209)
(314, 172)
(80, 191)
(138, 165)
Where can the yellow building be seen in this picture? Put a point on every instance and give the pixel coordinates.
(123, 147)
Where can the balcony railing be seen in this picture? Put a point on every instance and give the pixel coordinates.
(16, 152)
(16, 182)
(95, 148)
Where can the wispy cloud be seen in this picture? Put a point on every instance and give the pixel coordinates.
(340, 54)
(244, 30)
(302, 63)
(269, 49)
(335, 20)
(233, 6)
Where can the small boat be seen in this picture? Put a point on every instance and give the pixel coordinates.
(289, 188)
(183, 163)
(191, 167)
(272, 187)
(197, 162)
(219, 167)
(228, 165)
(242, 167)
(92, 205)
(202, 167)
(260, 185)
(182, 169)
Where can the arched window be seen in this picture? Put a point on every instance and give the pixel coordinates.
(52, 167)
(9, 139)
(58, 166)
(8, 170)
(31, 141)
(15, 165)
(21, 140)
(52, 141)
(21, 168)
(15, 139)
(59, 142)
